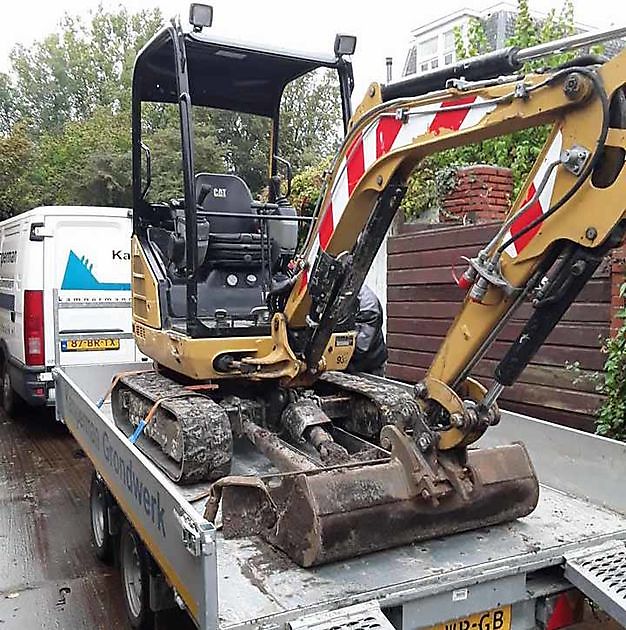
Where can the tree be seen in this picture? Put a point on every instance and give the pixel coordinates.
(87, 64)
(72, 90)
(310, 129)
(244, 143)
(310, 123)
(8, 113)
(167, 175)
(15, 154)
(87, 162)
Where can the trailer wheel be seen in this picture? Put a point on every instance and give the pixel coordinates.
(99, 503)
(12, 403)
(135, 579)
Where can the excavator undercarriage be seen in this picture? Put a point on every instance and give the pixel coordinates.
(251, 336)
(336, 488)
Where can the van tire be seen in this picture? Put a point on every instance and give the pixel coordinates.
(12, 402)
(134, 571)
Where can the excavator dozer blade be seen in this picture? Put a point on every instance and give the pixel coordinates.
(320, 516)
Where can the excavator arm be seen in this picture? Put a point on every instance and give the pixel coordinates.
(570, 212)
(361, 464)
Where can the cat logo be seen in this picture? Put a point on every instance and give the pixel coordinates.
(219, 192)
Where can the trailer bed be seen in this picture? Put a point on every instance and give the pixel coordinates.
(248, 583)
(256, 581)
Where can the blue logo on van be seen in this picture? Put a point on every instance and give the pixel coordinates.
(79, 276)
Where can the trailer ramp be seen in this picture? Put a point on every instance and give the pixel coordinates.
(365, 616)
(600, 573)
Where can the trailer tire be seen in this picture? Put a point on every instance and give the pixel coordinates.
(99, 504)
(134, 571)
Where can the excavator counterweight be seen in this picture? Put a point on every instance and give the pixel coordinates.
(252, 334)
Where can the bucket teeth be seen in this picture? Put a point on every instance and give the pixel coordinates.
(324, 515)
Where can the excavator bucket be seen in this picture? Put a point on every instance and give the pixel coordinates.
(319, 516)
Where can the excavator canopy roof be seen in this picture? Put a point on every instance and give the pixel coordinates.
(222, 74)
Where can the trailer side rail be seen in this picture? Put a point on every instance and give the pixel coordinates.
(179, 539)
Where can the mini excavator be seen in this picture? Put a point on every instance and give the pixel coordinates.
(250, 337)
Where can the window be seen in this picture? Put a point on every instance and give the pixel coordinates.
(424, 67)
(428, 48)
(302, 136)
(434, 63)
(448, 48)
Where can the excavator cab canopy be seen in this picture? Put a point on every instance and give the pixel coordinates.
(196, 69)
(192, 241)
(222, 73)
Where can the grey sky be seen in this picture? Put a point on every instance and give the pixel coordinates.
(382, 27)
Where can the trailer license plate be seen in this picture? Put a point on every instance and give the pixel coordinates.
(496, 619)
(89, 345)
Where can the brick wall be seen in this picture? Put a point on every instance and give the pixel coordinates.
(481, 193)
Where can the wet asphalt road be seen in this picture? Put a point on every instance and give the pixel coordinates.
(49, 575)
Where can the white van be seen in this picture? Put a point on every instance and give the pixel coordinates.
(64, 297)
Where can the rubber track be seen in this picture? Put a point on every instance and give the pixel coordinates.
(206, 450)
(393, 404)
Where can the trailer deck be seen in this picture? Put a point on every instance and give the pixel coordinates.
(247, 583)
(258, 582)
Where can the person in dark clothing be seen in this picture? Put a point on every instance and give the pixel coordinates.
(370, 353)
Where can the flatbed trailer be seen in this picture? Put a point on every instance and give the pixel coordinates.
(574, 537)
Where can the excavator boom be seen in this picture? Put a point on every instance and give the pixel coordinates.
(580, 167)
(355, 456)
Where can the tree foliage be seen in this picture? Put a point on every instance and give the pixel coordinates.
(86, 65)
(310, 122)
(307, 187)
(611, 420)
(65, 132)
(244, 141)
(310, 118)
(15, 153)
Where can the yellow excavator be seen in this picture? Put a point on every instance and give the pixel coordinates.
(250, 337)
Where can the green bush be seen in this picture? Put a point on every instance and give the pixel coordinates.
(611, 420)
(307, 187)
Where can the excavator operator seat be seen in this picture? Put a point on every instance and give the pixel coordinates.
(233, 271)
(231, 274)
(226, 194)
(234, 241)
(235, 261)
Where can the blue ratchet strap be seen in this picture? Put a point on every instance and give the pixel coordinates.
(190, 391)
(142, 423)
(137, 432)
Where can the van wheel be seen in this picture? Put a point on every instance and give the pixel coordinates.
(99, 502)
(135, 579)
(12, 402)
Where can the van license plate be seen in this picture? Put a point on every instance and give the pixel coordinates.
(496, 619)
(89, 345)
